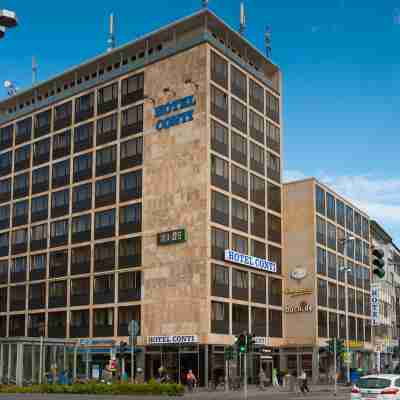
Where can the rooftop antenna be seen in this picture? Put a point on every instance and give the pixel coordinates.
(111, 35)
(268, 49)
(10, 87)
(242, 19)
(34, 70)
(205, 3)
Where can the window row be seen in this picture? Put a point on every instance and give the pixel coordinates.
(337, 211)
(61, 116)
(60, 263)
(81, 323)
(244, 88)
(265, 323)
(332, 325)
(220, 242)
(334, 296)
(41, 207)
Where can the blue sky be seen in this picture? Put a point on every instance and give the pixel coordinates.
(341, 65)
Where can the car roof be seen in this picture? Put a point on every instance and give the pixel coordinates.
(385, 376)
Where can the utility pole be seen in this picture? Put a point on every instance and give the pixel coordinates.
(334, 364)
(245, 369)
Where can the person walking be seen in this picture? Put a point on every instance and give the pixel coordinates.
(303, 382)
(262, 379)
(191, 380)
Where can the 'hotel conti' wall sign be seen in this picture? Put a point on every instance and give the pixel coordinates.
(250, 261)
(172, 106)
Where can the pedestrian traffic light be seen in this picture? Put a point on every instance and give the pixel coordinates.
(339, 346)
(378, 262)
(229, 353)
(241, 343)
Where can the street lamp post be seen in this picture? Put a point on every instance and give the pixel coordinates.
(8, 19)
(347, 269)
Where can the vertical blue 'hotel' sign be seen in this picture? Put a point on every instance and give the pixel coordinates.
(172, 106)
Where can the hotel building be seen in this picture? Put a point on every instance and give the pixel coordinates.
(123, 182)
(322, 234)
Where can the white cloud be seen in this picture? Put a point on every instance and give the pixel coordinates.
(378, 196)
(293, 175)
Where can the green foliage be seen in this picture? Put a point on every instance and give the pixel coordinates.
(151, 388)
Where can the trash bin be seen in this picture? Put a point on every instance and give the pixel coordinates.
(354, 376)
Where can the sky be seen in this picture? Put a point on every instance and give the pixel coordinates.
(340, 61)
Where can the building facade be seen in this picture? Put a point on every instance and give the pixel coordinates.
(385, 328)
(123, 183)
(322, 234)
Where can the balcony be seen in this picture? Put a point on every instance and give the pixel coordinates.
(61, 240)
(38, 244)
(239, 124)
(23, 137)
(258, 197)
(274, 236)
(59, 211)
(4, 251)
(80, 300)
(62, 123)
(19, 248)
(257, 166)
(57, 301)
(5, 196)
(132, 194)
(60, 181)
(103, 330)
(19, 166)
(105, 232)
(273, 144)
(56, 331)
(79, 237)
(104, 264)
(220, 78)
(42, 130)
(274, 175)
(240, 190)
(220, 147)
(17, 304)
(41, 158)
(104, 297)
(82, 205)
(105, 169)
(220, 182)
(220, 290)
(37, 274)
(20, 220)
(40, 187)
(4, 279)
(132, 97)
(80, 268)
(131, 161)
(238, 90)
(258, 296)
(129, 294)
(219, 112)
(239, 157)
(79, 331)
(83, 115)
(5, 223)
(106, 137)
(106, 199)
(58, 271)
(60, 152)
(240, 224)
(240, 293)
(19, 276)
(130, 261)
(83, 144)
(219, 217)
(132, 129)
(132, 227)
(257, 135)
(21, 192)
(107, 106)
(37, 303)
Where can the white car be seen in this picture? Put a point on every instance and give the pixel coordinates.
(377, 387)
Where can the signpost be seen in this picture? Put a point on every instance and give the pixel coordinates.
(133, 330)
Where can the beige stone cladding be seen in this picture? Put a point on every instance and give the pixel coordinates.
(299, 239)
(175, 196)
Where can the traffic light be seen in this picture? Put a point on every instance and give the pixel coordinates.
(249, 343)
(241, 343)
(123, 346)
(339, 346)
(229, 353)
(378, 262)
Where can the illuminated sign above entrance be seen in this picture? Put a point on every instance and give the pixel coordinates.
(172, 106)
(250, 261)
(187, 339)
(301, 308)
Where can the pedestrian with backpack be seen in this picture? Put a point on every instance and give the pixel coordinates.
(191, 380)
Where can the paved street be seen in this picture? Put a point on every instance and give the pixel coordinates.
(319, 394)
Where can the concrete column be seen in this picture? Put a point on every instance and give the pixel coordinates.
(206, 365)
(33, 362)
(315, 365)
(1, 362)
(9, 362)
(19, 370)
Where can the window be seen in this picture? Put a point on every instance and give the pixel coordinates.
(352, 299)
(57, 294)
(40, 180)
(273, 137)
(333, 325)
(219, 243)
(257, 127)
(240, 285)
(23, 131)
(366, 253)
(38, 266)
(61, 144)
(240, 244)
(6, 162)
(132, 89)
(82, 197)
(321, 261)
(5, 190)
(332, 267)
(219, 281)
(80, 289)
(6, 136)
(219, 104)
(321, 231)
(349, 218)
(43, 123)
(105, 192)
(275, 323)
(341, 240)
(84, 107)
(81, 228)
(219, 138)
(357, 223)
(129, 287)
(80, 260)
(240, 215)
(257, 221)
(104, 289)
(22, 159)
(274, 197)
(20, 237)
(340, 213)
(240, 182)
(256, 94)
(257, 190)
(79, 323)
(107, 98)
(21, 185)
(342, 298)
(104, 256)
(106, 160)
(60, 203)
(320, 200)
(60, 174)
(273, 167)
(331, 206)
(41, 152)
(219, 208)
(82, 167)
(275, 292)
(83, 137)
(257, 249)
(131, 186)
(105, 224)
(239, 148)
(36, 325)
(4, 244)
(352, 328)
(56, 324)
(39, 235)
(130, 253)
(274, 228)
(275, 255)
(131, 153)
(365, 228)
(18, 269)
(20, 213)
(219, 70)
(257, 159)
(62, 115)
(332, 295)
(5, 217)
(219, 317)
(238, 83)
(59, 232)
(358, 250)
(130, 219)
(272, 107)
(322, 293)
(219, 172)
(258, 289)
(239, 116)
(350, 273)
(132, 121)
(359, 302)
(107, 129)
(331, 233)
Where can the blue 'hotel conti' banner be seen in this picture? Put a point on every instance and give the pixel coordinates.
(172, 106)
(250, 261)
